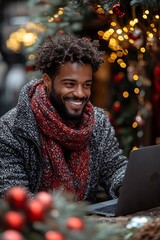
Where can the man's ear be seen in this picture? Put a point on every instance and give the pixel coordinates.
(47, 81)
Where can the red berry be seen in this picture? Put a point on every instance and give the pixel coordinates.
(53, 235)
(14, 220)
(45, 198)
(11, 235)
(17, 197)
(75, 223)
(35, 211)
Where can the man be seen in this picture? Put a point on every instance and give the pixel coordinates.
(55, 138)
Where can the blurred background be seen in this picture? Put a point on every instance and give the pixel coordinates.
(127, 85)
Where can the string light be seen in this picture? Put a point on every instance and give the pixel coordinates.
(134, 124)
(135, 77)
(24, 36)
(125, 94)
(136, 90)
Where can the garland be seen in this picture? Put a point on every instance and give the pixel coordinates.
(54, 216)
(154, 4)
(51, 216)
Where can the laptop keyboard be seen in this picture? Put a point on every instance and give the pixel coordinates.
(107, 209)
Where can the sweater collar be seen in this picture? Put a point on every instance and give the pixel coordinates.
(25, 122)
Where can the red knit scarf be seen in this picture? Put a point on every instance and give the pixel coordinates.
(57, 134)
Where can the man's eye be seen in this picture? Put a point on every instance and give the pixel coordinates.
(88, 85)
(69, 84)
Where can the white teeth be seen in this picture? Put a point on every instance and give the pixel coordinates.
(76, 103)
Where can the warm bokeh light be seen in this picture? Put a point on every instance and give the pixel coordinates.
(135, 125)
(24, 37)
(125, 94)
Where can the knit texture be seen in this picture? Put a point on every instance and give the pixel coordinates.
(55, 135)
(22, 163)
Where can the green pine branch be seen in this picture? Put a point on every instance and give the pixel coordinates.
(108, 4)
(154, 4)
(59, 217)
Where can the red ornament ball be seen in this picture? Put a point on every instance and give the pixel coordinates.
(118, 10)
(119, 77)
(74, 223)
(117, 106)
(11, 235)
(35, 211)
(45, 199)
(14, 220)
(58, 20)
(53, 235)
(60, 32)
(17, 197)
(30, 68)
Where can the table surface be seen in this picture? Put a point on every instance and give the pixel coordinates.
(123, 220)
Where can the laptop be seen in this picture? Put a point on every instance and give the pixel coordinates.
(141, 185)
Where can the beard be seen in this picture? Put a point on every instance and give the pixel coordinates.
(61, 108)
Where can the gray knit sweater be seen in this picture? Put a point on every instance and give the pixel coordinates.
(21, 161)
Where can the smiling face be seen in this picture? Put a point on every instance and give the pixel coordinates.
(71, 89)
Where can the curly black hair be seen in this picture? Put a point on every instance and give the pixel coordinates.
(58, 50)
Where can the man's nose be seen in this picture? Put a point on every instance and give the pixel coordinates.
(79, 92)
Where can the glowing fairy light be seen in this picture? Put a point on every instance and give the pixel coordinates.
(111, 31)
(135, 20)
(142, 49)
(131, 41)
(134, 124)
(113, 56)
(56, 15)
(136, 90)
(113, 24)
(119, 61)
(50, 19)
(100, 33)
(120, 38)
(132, 23)
(31, 57)
(147, 12)
(144, 16)
(123, 65)
(135, 77)
(60, 12)
(125, 94)
(125, 29)
(126, 36)
(119, 31)
(154, 29)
